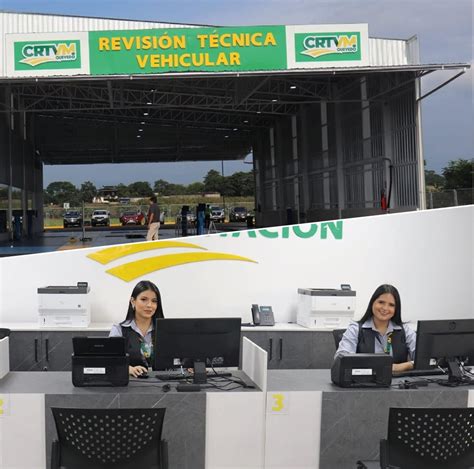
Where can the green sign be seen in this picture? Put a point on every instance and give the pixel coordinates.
(300, 231)
(327, 47)
(47, 55)
(187, 50)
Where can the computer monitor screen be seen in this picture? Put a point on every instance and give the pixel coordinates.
(187, 342)
(444, 343)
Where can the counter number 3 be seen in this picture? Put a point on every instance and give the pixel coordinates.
(278, 403)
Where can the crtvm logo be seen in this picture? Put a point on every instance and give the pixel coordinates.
(317, 45)
(36, 54)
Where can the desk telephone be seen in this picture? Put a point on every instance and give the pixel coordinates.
(262, 315)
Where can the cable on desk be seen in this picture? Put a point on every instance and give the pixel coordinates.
(221, 388)
(140, 384)
(232, 379)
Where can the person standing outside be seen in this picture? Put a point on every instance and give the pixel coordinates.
(153, 220)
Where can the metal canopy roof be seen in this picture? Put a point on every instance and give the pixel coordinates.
(182, 117)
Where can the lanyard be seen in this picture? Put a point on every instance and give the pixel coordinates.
(388, 348)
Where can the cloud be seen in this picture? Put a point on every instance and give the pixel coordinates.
(443, 27)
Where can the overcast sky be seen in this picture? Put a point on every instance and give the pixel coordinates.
(444, 29)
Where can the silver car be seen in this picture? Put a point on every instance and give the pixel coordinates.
(217, 214)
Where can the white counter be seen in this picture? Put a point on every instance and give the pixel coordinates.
(97, 326)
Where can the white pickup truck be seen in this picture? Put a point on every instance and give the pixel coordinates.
(100, 217)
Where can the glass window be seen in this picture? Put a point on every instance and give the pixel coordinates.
(3, 208)
(3, 197)
(16, 199)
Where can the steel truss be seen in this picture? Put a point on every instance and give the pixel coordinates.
(221, 109)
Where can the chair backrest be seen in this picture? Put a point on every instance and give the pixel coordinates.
(4, 332)
(337, 334)
(431, 438)
(106, 438)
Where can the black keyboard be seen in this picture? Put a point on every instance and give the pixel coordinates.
(414, 373)
(173, 375)
(178, 375)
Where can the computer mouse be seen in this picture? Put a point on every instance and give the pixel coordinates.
(166, 388)
(143, 376)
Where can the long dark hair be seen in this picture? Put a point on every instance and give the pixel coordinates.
(140, 287)
(397, 317)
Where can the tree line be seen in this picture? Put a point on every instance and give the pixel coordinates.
(457, 175)
(240, 184)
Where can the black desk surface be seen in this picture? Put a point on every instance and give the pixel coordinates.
(320, 380)
(60, 382)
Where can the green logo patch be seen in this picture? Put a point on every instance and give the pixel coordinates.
(327, 47)
(47, 55)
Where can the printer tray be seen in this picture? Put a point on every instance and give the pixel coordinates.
(100, 370)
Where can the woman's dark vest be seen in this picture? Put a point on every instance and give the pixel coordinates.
(366, 343)
(134, 340)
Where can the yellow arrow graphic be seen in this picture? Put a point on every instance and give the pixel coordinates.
(34, 61)
(132, 270)
(318, 52)
(107, 255)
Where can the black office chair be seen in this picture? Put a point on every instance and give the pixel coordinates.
(337, 334)
(106, 438)
(427, 438)
(4, 333)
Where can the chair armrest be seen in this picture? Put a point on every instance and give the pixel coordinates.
(163, 454)
(55, 454)
(385, 456)
(368, 465)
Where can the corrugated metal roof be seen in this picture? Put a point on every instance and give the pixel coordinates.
(18, 23)
(35, 23)
(388, 52)
(382, 52)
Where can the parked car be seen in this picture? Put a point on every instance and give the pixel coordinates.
(162, 217)
(190, 216)
(238, 214)
(217, 214)
(100, 217)
(131, 217)
(72, 218)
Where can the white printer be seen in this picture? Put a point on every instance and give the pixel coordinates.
(64, 306)
(325, 307)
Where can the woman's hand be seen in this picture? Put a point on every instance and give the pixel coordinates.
(136, 371)
(402, 366)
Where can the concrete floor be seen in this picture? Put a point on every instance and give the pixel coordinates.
(65, 239)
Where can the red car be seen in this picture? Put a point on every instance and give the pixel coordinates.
(131, 218)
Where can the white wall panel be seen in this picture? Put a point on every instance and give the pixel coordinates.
(5, 356)
(235, 430)
(428, 255)
(386, 52)
(254, 363)
(293, 424)
(470, 399)
(22, 423)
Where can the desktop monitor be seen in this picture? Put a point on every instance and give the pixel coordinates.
(447, 343)
(197, 343)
